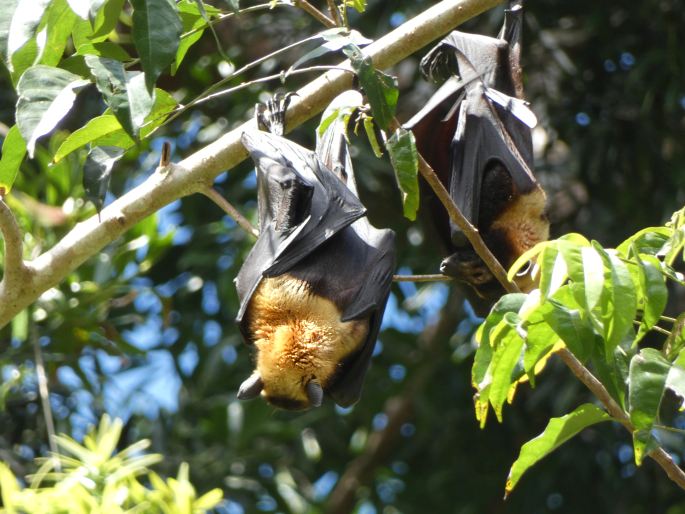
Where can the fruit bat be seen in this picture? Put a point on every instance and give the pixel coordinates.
(475, 132)
(314, 286)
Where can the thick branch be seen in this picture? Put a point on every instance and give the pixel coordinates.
(14, 268)
(197, 172)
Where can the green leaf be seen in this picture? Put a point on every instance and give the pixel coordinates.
(485, 336)
(13, 152)
(46, 95)
(98, 127)
(60, 20)
(156, 33)
(25, 21)
(380, 89)
(648, 240)
(97, 171)
(619, 302)
(566, 321)
(507, 354)
(370, 130)
(123, 91)
(107, 17)
(647, 378)
(557, 432)
(6, 15)
(653, 292)
(405, 161)
(234, 5)
(357, 5)
(540, 339)
(340, 110)
(9, 488)
(192, 23)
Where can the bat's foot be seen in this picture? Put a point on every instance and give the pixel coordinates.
(271, 115)
(466, 266)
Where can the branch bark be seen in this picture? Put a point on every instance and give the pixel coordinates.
(197, 172)
(15, 272)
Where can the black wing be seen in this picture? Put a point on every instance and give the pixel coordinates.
(363, 258)
(301, 205)
(476, 114)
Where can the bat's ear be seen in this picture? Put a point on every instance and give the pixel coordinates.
(251, 387)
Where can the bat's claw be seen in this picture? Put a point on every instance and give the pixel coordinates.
(467, 267)
(271, 115)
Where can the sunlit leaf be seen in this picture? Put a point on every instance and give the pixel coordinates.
(619, 303)
(540, 339)
(653, 292)
(648, 240)
(524, 258)
(557, 432)
(504, 359)
(340, 109)
(156, 33)
(106, 14)
(60, 20)
(46, 95)
(485, 335)
(96, 128)
(405, 161)
(13, 152)
(566, 321)
(25, 21)
(6, 15)
(357, 5)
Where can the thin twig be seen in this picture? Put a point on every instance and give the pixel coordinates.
(44, 391)
(202, 99)
(315, 13)
(656, 328)
(421, 278)
(614, 409)
(458, 219)
(13, 244)
(228, 208)
(335, 14)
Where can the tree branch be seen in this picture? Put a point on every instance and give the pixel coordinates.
(230, 210)
(14, 269)
(197, 172)
(438, 277)
(315, 13)
(458, 219)
(662, 458)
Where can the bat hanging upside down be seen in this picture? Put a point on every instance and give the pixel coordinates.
(475, 132)
(314, 286)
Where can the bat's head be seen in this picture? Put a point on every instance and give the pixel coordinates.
(290, 370)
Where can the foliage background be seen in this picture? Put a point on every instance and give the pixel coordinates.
(145, 332)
